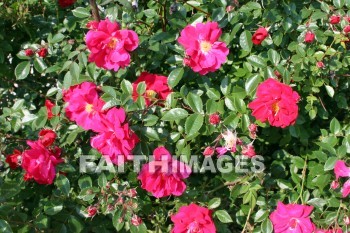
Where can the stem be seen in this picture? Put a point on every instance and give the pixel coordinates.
(246, 222)
(197, 8)
(94, 10)
(303, 175)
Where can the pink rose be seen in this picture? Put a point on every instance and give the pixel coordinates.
(208, 151)
(204, 52)
(346, 189)
(276, 102)
(259, 36)
(341, 170)
(193, 218)
(334, 184)
(309, 37)
(40, 162)
(109, 45)
(292, 218)
(156, 87)
(84, 105)
(47, 137)
(115, 140)
(164, 176)
(320, 64)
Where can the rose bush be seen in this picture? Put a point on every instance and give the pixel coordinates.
(243, 107)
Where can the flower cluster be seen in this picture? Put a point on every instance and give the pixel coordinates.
(40, 161)
(341, 170)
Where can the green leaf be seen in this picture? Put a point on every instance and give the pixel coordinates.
(126, 87)
(63, 184)
(141, 88)
(214, 203)
(22, 70)
(39, 64)
(81, 12)
(5, 227)
(74, 71)
(338, 3)
(218, 14)
(57, 38)
(266, 226)
(223, 216)
(274, 57)
(175, 76)
(150, 133)
(85, 182)
(330, 91)
(53, 208)
(245, 41)
(252, 83)
(193, 124)
(195, 102)
(335, 126)
(175, 114)
(74, 224)
(256, 61)
(102, 180)
(329, 165)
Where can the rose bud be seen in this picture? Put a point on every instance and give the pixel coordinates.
(92, 211)
(14, 159)
(320, 64)
(278, 74)
(347, 220)
(29, 52)
(248, 150)
(49, 106)
(309, 37)
(208, 151)
(334, 19)
(214, 119)
(66, 3)
(136, 220)
(346, 29)
(334, 184)
(47, 137)
(229, 8)
(260, 35)
(132, 193)
(42, 52)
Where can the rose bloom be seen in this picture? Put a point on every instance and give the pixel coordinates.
(334, 184)
(42, 52)
(341, 170)
(47, 137)
(260, 35)
(329, 231)
(40, 162)
(14, 159)
(92, 25)
(334, 19)
(29, 52)
(110, 46)
(204, 52)
(214, 119)
(346, 189)
(66, 3)
(193, 218)
(156, 87)
(164, 175)
(292, 218)
(84, 105)
(49, 106)
(309, 37)
(115, 141)
(275, 102)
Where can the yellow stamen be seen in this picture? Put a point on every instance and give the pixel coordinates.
(113, 43)
(89, 108)
(275, 108)
(150, 94)
(205, 46)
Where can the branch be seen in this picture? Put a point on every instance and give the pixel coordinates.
(94, 10)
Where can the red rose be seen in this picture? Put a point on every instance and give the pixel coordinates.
(66, 3)
(347, 29)
(214, 119)
(29, 52)
(47, 137)
(259, 36)
(14, 159)
(309, 37)
(334, 19)
(49, 105)
(208, 151)
(42, 52)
